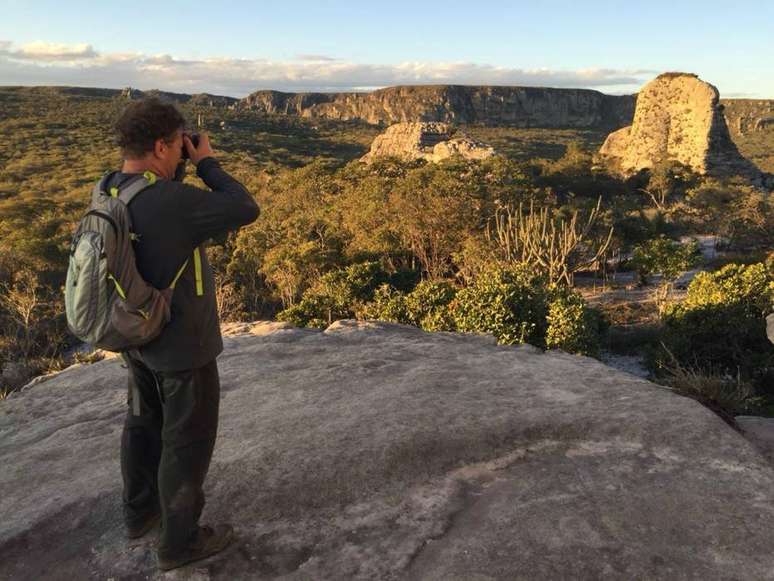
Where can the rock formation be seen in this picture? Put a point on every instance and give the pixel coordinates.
(514, 106)
(429, 141)
(376, 451)
(677, 117)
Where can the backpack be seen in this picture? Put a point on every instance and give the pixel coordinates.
(107, 302)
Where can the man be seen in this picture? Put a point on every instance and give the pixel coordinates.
(174, 388)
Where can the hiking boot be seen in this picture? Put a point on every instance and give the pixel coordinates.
(209, 541)
(138, 529)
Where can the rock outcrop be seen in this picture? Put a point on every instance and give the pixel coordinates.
(376, 451)
(429, 141)
(488, 105)
(678, 117)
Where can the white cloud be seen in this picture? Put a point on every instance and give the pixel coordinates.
(45, 52)
(315, 58)
(46, 63)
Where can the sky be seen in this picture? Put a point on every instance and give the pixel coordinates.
(235, 47)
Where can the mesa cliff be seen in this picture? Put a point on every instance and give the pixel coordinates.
(486, 105)
(378, 451)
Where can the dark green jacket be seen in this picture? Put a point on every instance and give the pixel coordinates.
(171, 219)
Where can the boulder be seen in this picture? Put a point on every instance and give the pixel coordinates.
(432, 142)
(378, 451)
(678, 117)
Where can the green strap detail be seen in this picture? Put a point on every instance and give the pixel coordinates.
(179, 272)
(114, 192)
(151, 177)
(198, 272)
(119, 290)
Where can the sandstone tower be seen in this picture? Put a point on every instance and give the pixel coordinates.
(678, 117)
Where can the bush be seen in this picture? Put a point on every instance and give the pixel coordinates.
(388, 305)
(665, 256)
(720, 325)
(517, 306)
(335, 296)
(427, 306)
(572, 326)
(510, 304)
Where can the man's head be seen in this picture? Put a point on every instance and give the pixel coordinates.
(151, 131)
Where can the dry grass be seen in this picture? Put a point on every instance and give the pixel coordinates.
(725, 395)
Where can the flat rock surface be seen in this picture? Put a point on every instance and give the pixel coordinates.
(376, 451)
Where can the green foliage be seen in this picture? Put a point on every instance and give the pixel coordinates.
(336, 295)
(663, 255)
(668, 180)
(388, 305)
(720, 325)
(741, 214)
(517, 306)
(427, 306)
(573, 326)
(510, 304)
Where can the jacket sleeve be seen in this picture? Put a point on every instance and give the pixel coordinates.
(229, 206)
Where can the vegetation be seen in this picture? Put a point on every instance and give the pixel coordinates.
(502, 246)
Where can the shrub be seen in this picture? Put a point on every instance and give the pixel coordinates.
(427, 306)
(720, 325)
(572, 326)
(335, 296)
(663, 255)
(388, 305)
(510, 304)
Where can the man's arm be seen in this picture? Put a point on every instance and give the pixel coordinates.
(227, 207)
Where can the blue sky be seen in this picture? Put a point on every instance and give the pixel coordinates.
(234, 47)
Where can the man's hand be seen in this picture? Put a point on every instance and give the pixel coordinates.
(196, 154)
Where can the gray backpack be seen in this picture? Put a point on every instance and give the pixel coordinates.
(107, 302)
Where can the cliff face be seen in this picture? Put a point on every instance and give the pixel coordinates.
(745, 116)
(678, 117)
(515, 106)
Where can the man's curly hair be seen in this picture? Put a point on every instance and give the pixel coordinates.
(145, 121)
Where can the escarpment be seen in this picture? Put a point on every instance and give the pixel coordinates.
(487, 105)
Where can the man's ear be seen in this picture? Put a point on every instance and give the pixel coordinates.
(160, 148)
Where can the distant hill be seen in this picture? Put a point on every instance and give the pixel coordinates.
(129, 93)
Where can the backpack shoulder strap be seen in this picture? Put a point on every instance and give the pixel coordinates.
(127, 192)
(100, 188)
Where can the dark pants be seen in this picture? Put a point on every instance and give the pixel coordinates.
(166, 446)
